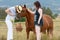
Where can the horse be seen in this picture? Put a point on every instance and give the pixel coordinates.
(47, 22)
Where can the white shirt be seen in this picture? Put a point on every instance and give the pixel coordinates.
(12, 10)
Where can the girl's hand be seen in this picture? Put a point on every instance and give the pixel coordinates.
(11, 14)
(38, 22)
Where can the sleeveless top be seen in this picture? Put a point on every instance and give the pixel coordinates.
(36, 18)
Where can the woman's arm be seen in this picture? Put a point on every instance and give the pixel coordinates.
(40, 12)
(9, 12)
(31, 11)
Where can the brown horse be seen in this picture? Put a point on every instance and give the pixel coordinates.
(47, 22)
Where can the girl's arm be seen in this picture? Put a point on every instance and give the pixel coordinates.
(40, 12)
(31, 11)
(9, 12)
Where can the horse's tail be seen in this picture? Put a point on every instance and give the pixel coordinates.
(50, 21)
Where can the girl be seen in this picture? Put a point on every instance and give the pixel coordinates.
(11, 14)
(37, 19)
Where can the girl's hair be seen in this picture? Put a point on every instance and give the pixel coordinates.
(37, 4)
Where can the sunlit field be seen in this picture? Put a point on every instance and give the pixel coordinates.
(22, 35)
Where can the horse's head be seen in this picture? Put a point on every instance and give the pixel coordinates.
(22, 11)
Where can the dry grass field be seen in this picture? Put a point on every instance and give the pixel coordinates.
(22, 35)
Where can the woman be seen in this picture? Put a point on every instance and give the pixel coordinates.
(11, 14)
(37, 19)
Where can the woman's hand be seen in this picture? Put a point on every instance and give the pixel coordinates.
(31, 11)
(38, 22)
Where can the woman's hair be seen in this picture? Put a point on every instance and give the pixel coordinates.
(37, 4)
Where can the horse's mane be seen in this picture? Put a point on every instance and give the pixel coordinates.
(27, 10)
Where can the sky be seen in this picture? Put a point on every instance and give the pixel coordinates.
(53, 4)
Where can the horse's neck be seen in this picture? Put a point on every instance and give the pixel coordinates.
(29, 17)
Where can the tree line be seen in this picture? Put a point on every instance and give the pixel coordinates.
(49, 12)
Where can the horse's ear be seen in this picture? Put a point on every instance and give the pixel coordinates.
(25, 6)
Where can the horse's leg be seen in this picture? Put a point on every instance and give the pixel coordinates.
(43, 30)
(51, 33)
(27, 30)
(27, 34)
(48, 31)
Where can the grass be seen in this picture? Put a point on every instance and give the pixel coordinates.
(22, 35)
